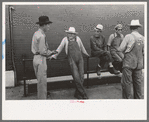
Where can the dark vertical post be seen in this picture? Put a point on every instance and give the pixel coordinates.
(87, 71)
(24, 78)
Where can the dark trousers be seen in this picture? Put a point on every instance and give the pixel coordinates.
(117, 55)
(104, 57)
(131, 83)
(77, 69)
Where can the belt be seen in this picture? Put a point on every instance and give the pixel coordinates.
(37, 53)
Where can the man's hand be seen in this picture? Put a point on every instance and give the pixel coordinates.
(54, 52)
(51, 58)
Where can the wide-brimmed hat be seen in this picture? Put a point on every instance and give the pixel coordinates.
(43, 20)
(71, 30)
(135, 23)
(118, 26)
(99, 27)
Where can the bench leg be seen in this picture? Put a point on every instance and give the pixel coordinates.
(25, 88)
(87, 80)
(87, 72)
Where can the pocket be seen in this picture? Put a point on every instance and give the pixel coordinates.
(37, 60)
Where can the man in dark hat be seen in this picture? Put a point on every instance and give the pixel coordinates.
(99, 49)
(41, 51)
(133, 48)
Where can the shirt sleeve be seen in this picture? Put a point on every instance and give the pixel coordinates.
(82, 47)
(143, 46)
(60, 48)
(43, 50)
(104, 44)
(123, 45)
(110, 40)
(127, 44)
(33, 41)
(130, 44)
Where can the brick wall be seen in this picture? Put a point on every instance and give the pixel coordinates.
(84, 18)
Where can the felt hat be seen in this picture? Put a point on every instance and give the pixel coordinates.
(43, 20)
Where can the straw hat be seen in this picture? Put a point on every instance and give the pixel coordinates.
(71, 30)
(135, 23)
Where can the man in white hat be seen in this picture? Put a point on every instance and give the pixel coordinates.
(74, 49)
(99, 49)
(112, 45)
(41, 51)
(133, 48)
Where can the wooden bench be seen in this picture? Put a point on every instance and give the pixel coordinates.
(88, 71)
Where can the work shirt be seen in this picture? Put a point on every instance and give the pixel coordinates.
(39, 44)
(98, 43)
(133, 47)
(64, 43)
(112, 36)
(128, 42)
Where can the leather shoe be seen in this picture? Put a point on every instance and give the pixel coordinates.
(112, 70)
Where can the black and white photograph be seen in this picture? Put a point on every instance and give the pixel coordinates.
(65, 58)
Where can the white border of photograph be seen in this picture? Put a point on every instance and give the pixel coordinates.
(104, 109)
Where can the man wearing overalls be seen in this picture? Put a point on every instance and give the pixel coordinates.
(133, 48)
(74, 49)
(41, 51)
(99, 49)
(113, 43)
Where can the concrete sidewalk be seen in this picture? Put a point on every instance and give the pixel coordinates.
(98, 89)
(110, 91)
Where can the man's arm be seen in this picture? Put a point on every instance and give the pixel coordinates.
(82, 47)
(110, 41)
(104, 44)
(123, 45)
(59, 49)
(43, 48)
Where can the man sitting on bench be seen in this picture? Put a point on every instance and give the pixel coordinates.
(113, 44)
(99, 49)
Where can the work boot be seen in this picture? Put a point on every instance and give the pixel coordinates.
(48, 94)
(77, 95)
(98, 69)
(112, 70)
(85, 96)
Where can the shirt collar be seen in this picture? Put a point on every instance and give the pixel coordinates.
(135, 32)
(41, 31)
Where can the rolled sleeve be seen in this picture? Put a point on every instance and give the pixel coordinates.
(60, 48)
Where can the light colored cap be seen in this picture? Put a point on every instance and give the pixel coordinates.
(135, 23)
(71, 30)
(99, 26)
(118, 26)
